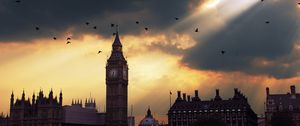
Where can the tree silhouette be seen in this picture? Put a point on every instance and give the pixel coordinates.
(210, 120)
(281, 119)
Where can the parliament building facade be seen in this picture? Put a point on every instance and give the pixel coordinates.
(42, 110)
(235, 111)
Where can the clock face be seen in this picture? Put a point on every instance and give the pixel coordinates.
(113, 73)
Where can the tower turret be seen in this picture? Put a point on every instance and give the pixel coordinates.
(116, 86)
(12, 99)
(60, 98)
(23, 96)
(51, 94)
(33, 99)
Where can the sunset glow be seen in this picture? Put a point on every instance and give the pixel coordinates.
(173, 54)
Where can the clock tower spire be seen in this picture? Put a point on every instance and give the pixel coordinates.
(116, 86)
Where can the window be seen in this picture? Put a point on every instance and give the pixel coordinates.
(280, 108)
(291, 107)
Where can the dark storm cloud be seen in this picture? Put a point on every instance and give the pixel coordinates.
(248, 38)
(18, 20)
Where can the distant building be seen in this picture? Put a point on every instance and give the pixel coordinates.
(131, 121)
(261, 120)
(48, 111)
(234, 112)
(76, 114)
(41, 111)
(116, 86)
(286, 103)
(149, 120)
(4, 120)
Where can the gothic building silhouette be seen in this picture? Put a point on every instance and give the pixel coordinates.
(287, 106)
(235, 111)
(116, 86)
(40, 111)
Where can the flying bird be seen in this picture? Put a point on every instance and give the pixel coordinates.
(18, 1)
(37, 28)
(112, 25)
(68, 38)
(176, 18)
(99, 52)
(223, 52)
(87, 23)
(68, 42)
(95, 27)
(137, 22)
(114, 33)
(267, 22)
(146, 29)
(196, 30)
(54, 38)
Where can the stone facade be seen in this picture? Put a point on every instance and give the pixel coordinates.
(40, 111)
(116, 86)
(288, 103)
(84, 115)
(234, 112)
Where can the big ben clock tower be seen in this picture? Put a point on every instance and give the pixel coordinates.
(116, 86)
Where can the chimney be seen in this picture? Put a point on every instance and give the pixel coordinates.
(189, 98)
(196, 94)
(217, 97)
(184, 96)
(293, 90)
(217, 93)
(178, 94)
(236, 91)
(268, 91)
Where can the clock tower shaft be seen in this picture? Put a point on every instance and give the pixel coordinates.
(116, 86)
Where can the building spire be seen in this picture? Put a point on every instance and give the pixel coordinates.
(117, 29)
(149, 114)
(117, 43)
(12, 99)
(23, 95)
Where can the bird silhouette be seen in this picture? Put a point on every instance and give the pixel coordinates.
(267, 22)
(68, 42)
(196, 30)
(176, 18)
(137, 22)
(95, 27)
(68, 38)
(37, 28)
(54, 38)
(99, 52)
(87, 23)
(146, 29)
(112, 25)
(114, 33)
(18, 1)
(223, 52)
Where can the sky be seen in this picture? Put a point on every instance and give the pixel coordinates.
(170, 56)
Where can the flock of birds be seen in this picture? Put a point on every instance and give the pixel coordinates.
(137, 22)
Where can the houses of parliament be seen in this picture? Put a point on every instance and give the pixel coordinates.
(42, 110)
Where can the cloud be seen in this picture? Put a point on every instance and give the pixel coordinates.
(247, 39)
(57, 18)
